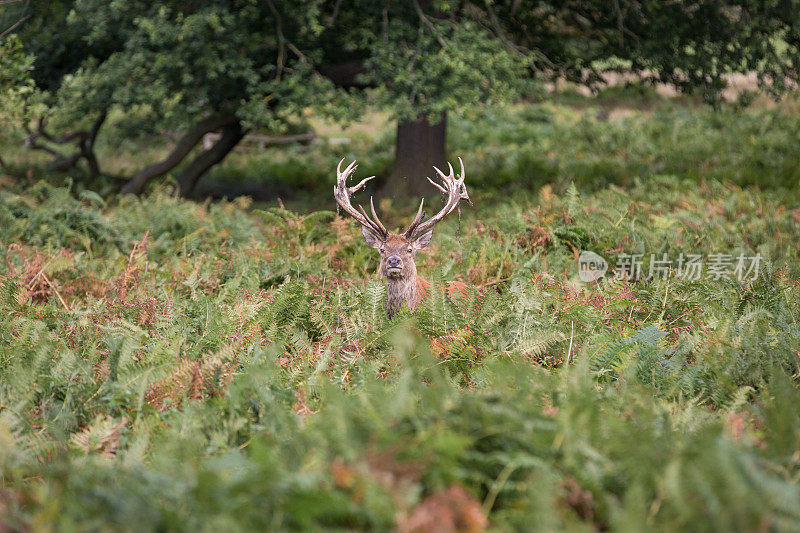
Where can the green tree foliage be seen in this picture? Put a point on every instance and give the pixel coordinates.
(16, 83)
(183, 61)
(429, 57)
(696, 39)
(234, 66)
(691, 45)
(424, 58)
(178, 66)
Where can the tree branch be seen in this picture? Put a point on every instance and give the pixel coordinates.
(424, 18)
(83, 139)
(185, 145)
(189, 176)
(30, 139)
(498, 29)
(333, 16)
(22, 18)
(281, 39)
(87, 145)
(42, 132)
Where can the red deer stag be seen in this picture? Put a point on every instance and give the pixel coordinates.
(398, 250)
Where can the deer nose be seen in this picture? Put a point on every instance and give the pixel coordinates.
(393, 262)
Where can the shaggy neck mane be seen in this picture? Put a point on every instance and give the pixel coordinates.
(400, 291)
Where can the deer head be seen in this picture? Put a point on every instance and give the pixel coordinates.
(398, 250)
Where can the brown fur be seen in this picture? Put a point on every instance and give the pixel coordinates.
(404, 285)
(402, 282)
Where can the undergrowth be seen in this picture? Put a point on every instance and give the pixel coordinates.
(168, 365)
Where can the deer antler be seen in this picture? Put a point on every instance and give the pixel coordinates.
(455, 190)
(342, 194)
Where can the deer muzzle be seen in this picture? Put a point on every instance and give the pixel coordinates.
(394, 266)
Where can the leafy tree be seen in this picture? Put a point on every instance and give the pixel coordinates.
(429, 57)
(420, 60)
(15, 65)
(197, 67)
(28, 79)
(691, 45)
(15, 79)
(426, 58)
(231, 66)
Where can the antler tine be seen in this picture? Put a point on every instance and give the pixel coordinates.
(464, 194)
(350, 168)
(341, 192)
(378, 228)
(448, 177)
(455, 190)
(436, 184)
(375, 215)
(359, 185)
(413, 226)
(366, 216)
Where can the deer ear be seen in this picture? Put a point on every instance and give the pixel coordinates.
(372, 239)
(423, 239)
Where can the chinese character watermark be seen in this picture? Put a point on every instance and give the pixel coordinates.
(629, 266)
(690, 267)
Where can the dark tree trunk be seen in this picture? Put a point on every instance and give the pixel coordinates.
(66, 163)
(420, 146)
(346, 75)
(87, 146)
(185, 145)
(189, 176)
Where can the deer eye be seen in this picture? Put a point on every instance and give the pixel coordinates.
(410, 249)
(382, 250)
